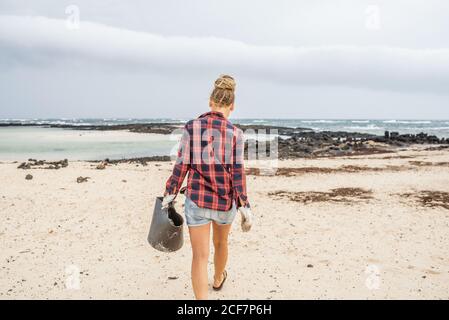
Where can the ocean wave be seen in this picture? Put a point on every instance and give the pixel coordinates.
(82, 124)
(14, 120)
(360, 121)
(437, 128)
(416, 122)
(408, 121)
(321, 121)
(370, 127)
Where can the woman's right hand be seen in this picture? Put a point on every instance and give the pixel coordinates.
(168, 198)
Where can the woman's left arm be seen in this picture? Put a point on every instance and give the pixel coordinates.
(238, 170)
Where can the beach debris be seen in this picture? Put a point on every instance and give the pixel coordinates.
(124, 181)
(42, 164)
(172, 277)
(343, 195)
(82, 179)
(28, 177)
(102, 165)
(310, 265)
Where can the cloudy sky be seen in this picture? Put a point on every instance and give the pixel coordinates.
(292, 59)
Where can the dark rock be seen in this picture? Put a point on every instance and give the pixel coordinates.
(24, 165)
(28, 177)
(82, 179)
(101, 165)
(142, 160)
(41, 164)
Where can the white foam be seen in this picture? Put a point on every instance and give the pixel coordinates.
(321, 121)
(370, 127)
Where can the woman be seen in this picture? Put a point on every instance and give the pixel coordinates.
(211, 152)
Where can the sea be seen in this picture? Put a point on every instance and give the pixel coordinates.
(23, 142)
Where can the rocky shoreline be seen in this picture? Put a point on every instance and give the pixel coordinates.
(159, 128)
(328, 143)
(299, 142)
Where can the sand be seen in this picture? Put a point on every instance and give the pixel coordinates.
(378, 231)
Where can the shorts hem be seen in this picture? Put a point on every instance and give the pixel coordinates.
(223, 224)
(198, 224)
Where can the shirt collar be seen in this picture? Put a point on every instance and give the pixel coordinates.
(212, 113)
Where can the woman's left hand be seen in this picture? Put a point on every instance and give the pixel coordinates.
(247, 218)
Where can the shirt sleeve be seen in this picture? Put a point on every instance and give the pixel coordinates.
(182, 165)
(238, 170)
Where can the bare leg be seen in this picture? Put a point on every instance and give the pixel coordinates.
(220, 238)
(199, 237)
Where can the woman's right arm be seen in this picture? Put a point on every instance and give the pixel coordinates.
(181, 167)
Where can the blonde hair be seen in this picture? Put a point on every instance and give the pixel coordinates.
(223, 93)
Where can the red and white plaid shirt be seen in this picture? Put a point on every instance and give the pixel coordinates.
(211, 151)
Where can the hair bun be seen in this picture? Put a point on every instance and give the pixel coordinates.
(225, 82)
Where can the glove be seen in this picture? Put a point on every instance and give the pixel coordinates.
(167, 200)
(247, 218)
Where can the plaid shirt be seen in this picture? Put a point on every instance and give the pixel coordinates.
(211, 151)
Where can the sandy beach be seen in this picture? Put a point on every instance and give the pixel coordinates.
(359, 227)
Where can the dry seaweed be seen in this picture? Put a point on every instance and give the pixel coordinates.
(429, 199)
(429, 164)
(288, 172)
(342, 195)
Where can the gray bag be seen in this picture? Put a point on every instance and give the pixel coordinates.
(166, 230)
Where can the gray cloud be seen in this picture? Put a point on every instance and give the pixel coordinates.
(40, 40)
(291, 58)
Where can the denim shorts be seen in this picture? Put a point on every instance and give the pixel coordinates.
(196, 216)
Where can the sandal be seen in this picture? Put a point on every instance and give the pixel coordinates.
(225, 275)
